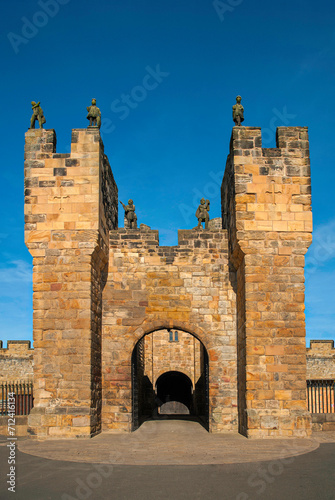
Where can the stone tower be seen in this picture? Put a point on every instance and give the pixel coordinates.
(107, 299)
(266, 203)
(70, 207)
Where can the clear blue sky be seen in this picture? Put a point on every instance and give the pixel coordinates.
(167, 145)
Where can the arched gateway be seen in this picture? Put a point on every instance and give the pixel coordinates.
(170, 376)
(188, 288)
(101, 293)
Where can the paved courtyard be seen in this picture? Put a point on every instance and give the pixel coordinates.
(172, 460)
(168, 442)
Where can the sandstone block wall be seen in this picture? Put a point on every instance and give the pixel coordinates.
(16, 361)
(162, 356)
(321, 360)
(266, 204)
(323, 422)
(152, 288)
(70, 206)
(99, 291)
(21, 425)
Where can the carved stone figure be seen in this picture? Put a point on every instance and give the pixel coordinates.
(94, 114)
(130, 218)
(202, 213)
(37, 115)
(238, 112)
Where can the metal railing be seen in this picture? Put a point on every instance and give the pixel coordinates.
(23, 396)
(321, 396)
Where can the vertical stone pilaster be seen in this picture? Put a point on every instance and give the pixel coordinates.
(267, 210)
(71, 204)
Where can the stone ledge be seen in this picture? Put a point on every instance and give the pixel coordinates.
(323, 422)
(62, 410)
(323, 417)
(21, 425)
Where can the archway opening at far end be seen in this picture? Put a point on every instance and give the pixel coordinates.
(170, 378)
(174, 391)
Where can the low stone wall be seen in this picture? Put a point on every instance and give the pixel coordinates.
(16, 364)
(21, 425)
(321, 360)
(16, 361)
(323, 421)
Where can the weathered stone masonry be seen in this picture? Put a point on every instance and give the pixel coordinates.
(162, 356)
(71, 204)
(266, 205)
(187, 288)
(321, 360)
(16, 361)
(99, 290)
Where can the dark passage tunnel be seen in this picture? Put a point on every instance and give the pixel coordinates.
(174, 393)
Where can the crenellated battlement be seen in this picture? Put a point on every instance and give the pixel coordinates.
(321, 360)
(68, 192)
(16, 361)
(290, 141)
(16, 347)
(321, 348)
(267, 189)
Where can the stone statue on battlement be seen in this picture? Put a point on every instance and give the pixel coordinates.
(238, 112)
(130, 218)
(37, 115)
(94, 114)
(202, 213)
